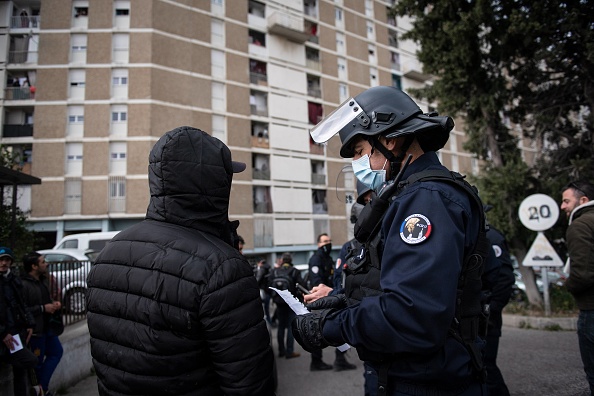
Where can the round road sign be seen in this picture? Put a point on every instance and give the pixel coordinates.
(538, 212)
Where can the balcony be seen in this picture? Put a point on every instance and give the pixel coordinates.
(316, 92)
(25, 22)
(258, 78)
(12, 131)
(259, 111)
(19, 93)
(315, 148)
(261, 174)
(22, 57)
(288, 26)
(317, 178)
(263, 236)
(260, 142)
(413, 69)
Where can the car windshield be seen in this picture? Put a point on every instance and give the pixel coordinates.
(92, 255)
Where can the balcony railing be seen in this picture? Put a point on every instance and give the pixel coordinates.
(262, 207)
(316, 178)
(22, 57)
(19, 93)
(261, 174)
(255, 110)
(25, 22)
(313, 64)
(315, 92)
(261, 142)
(117, 204)
(11, 130)
(258, 78)
(263, 232)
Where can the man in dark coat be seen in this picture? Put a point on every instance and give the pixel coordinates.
(173, 307)
(16, 324)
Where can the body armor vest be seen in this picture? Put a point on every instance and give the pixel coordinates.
(363, 267)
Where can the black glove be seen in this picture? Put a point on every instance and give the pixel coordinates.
(338, 301)
(307, 330)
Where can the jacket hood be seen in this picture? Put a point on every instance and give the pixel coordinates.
(190, 175)
(579, 208)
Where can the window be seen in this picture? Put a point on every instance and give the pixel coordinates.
(369, 8)
(217, 63)
(319, 202)
(338, 18)
(340, 47)
(313, 86)
(120, 47)
(372, 54)
(395, 60)
(72, 196)
(393, 38)
(117, 158)
(373, 80)
(370, 30)
(74, 159)
(218, 127)
(343, 92)
(218, 97)
(217, 32)
(78, 48)
(257, 38)
(258, 74)
(342, 68)
(117, 189)
(122, 12)
(81, 12)
(118, 116)
(257, 9)
(119, 80)
(76, 119)
(117, 193)
(396, 81)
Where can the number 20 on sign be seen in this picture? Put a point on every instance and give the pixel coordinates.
(538, 212)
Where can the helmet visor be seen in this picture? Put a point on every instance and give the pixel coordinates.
(335, 121)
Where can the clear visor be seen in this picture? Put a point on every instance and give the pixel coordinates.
(335, 121)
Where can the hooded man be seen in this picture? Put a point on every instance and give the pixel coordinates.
(173, 307)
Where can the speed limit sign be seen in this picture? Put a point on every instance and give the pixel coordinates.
(538, 212)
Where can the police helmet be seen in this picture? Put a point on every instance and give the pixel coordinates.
(384, 111)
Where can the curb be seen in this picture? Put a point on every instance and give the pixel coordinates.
(540, 323)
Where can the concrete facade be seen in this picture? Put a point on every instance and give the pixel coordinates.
(121, 73)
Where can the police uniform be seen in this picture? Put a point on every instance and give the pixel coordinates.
(428, 230)
(321, 268)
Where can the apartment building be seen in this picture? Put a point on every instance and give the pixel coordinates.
(91, 85)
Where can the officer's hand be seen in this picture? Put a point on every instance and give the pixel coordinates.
(307, 330)
(338, 301)
(317, 292)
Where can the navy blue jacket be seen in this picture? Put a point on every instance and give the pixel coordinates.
(321, 269)
(419, 278)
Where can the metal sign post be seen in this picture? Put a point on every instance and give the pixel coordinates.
(539, 212)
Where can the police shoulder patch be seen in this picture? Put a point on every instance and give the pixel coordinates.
(497, 250)
(416, 228)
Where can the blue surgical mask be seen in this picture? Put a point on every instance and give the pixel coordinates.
(373, 179)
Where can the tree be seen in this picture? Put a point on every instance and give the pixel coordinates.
(24, 238)
(503, 64)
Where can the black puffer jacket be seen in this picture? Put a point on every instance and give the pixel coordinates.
(173, 308)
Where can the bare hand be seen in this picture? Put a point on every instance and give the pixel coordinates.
(317, 292)
(50, 308)
(10, 342)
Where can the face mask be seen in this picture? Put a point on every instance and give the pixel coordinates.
(373, 179)
(327, 248)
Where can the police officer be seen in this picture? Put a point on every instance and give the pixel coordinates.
(498, 279)
(321, 272)
(419, 331)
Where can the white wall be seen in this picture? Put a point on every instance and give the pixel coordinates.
(286, 108)
(291, 200)
(293, 232)
(290, 169)
(289, 138)
(287, 79)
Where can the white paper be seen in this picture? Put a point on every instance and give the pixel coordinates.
(298, 307)
(19, 344)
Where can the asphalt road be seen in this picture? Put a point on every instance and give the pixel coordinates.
(533, 363)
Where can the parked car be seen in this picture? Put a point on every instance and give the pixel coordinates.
(70, 268)
(86, 240)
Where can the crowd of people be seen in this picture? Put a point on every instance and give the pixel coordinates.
(174, 308)
(30, 337)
